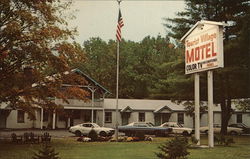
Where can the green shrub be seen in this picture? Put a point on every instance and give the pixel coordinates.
(223, 140)
(194, 140)
(174, 149)
(93, 135)
(46, 152)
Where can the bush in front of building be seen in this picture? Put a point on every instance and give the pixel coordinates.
(93, 135)
(223, 140)
(174, 149)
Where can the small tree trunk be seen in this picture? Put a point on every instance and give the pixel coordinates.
(225, 115)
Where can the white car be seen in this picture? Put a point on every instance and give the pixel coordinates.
(85, 128)
(178, 128)
(217, 128)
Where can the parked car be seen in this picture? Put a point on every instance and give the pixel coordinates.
(178, 128)
(217, 128)
(246, 129)
(144, 127)
(85, 128)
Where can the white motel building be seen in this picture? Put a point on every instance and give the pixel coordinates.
(102, 111)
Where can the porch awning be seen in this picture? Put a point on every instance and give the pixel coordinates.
(127, 109)
(163, 109)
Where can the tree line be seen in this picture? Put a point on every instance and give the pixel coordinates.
(154, 67)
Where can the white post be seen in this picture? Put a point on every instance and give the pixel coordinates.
(41, 124)
(92, 105)
(161, 117)
(103, 113)
(68, 122)
(210, 109)
(117, 89)
(54, 120)
(197, 106)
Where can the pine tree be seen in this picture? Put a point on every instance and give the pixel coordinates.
(46, 152)
(232, 81)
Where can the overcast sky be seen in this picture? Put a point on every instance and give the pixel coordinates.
(141, 18)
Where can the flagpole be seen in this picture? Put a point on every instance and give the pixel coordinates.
(117, 84)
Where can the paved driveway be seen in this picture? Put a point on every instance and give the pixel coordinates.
(53, 133)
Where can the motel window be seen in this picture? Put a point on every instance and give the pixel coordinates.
(108, 117)
(180, 118)
(239, 118)
(141, 117)
(20, 116)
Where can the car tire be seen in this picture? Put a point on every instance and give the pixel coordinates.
(78, 133)
(103, 134)
(233, 133)
(185, 133)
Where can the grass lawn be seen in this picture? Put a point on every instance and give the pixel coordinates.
(68, 148)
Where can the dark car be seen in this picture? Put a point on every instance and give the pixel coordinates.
(246, 129)
(144, 127)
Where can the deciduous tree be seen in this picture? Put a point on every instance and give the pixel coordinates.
(34, 44)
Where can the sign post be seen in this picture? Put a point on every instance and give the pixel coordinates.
(210, 108)
(197, 106)
(204, 52)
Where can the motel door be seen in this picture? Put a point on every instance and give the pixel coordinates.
(161, 118)
(125, 118)
(165, 117)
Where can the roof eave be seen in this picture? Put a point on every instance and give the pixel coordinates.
(96, 83)
(202, 22)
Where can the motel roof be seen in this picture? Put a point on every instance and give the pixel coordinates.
(155, 106)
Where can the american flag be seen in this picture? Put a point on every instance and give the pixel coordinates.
(119, 26)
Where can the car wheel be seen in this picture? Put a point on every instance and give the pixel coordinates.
(185, 133)
(78, 133)
(233, 133)
(103, 134)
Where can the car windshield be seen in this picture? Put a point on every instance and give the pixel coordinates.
(150, 124)
(95, 125)
(131, 124)
(141, 124)
(180, 125)
(243, 125)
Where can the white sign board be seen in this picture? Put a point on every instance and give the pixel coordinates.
(204, 49)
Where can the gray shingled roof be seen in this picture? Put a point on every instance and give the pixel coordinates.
(151, 105)
(142, 104)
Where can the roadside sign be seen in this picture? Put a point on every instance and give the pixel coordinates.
(204, 52)
(204, 48)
